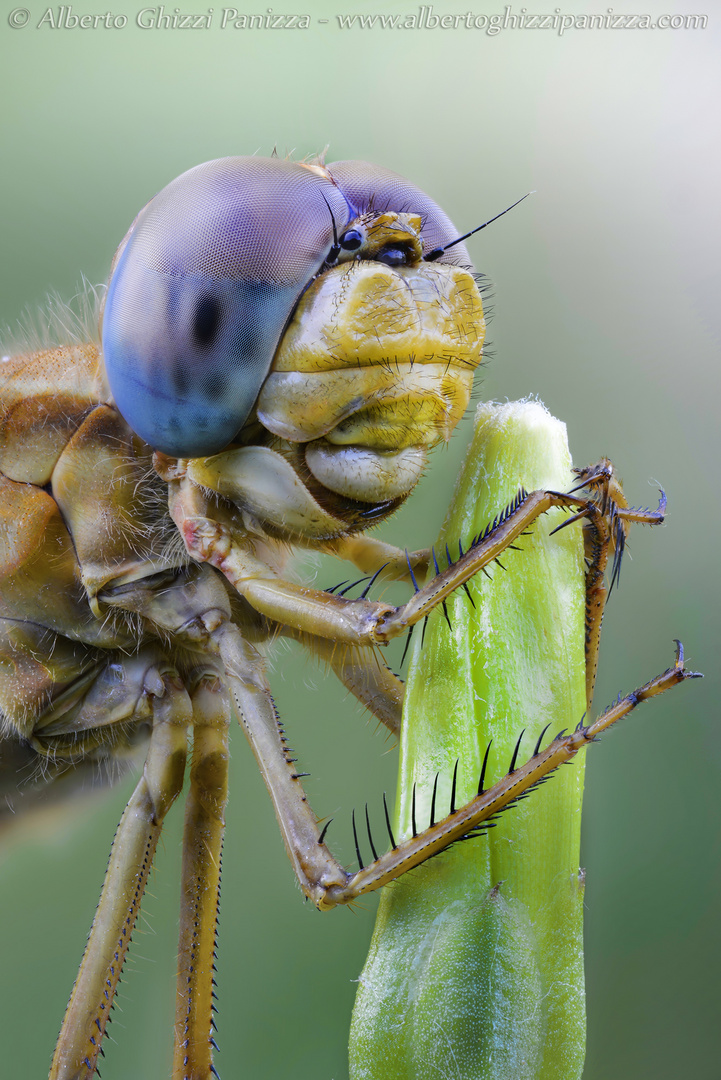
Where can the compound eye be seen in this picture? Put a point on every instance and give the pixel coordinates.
(351, 239)
(201, 292)
(393, 256)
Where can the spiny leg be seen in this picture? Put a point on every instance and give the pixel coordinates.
(597, 542)
(360, 622)
(500, 535)
(321, 876)
(200, 886)
(607, 520)
(477, 815)
(131, 857)
(608, 517)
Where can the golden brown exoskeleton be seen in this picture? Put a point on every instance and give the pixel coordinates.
(282, 345)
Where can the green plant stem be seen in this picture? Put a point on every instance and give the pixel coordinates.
(475, 969)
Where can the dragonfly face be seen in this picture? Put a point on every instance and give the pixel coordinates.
(213, 269)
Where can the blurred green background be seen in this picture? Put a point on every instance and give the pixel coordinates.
(606, 285)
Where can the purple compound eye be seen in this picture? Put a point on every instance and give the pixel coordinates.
(202, 291)
(209, 275)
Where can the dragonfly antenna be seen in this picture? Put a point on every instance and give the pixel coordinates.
(437, 252)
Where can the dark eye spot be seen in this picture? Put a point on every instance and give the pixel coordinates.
(207, 320)
(392, 256)
(351, 240)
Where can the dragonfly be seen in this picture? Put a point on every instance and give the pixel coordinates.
(280, 346)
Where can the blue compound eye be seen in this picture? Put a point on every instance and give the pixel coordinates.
(208, 277)
(202, 291)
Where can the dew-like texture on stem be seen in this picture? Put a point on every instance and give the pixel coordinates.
(475, 969)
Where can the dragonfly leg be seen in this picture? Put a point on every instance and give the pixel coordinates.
(598, 498)
(210, 538)
(130, 861)
(322, 878)
(607, 520)
(200, 885)
(471, 819)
